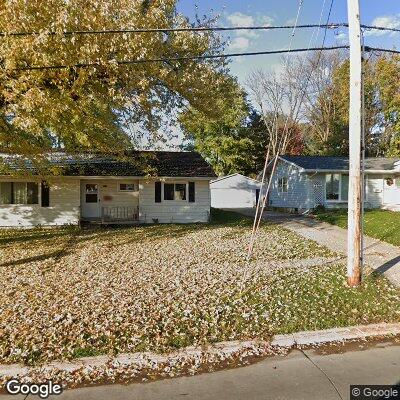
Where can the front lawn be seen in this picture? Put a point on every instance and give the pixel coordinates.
(380, 224)
(69, 293)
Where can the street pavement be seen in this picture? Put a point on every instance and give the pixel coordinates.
(308, 375)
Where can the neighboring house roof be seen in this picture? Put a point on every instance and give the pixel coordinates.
(233, 175)
(327, 163)
(137, 163)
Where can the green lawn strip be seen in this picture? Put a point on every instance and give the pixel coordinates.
(321, 299)
(379, 224)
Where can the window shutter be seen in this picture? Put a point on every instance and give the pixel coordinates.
(192, 198)
(45, 194)
(157, 192)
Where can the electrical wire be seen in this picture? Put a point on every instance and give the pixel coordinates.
(171, 30)
(379, 28)
(170, 59)
(204, 57)
(372, 49)
(194, 29)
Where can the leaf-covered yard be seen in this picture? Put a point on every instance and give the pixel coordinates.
(68, 293)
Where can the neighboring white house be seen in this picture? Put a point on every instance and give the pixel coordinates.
(105, 190)
(302, 183)
(234, 191)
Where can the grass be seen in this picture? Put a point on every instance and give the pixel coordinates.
(70, 293)
(379, 224)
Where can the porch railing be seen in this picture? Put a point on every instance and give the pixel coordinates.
(120, 214)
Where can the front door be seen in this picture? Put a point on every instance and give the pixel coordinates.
(391, 191)
(90, 200)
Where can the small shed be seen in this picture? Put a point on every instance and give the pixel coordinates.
(234, 191)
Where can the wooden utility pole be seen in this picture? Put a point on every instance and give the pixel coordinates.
(355, 202)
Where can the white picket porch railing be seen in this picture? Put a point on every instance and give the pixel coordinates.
(120, 214)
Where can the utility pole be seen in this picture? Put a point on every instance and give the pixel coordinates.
(355, 126)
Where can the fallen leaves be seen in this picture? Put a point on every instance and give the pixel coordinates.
(155, 288)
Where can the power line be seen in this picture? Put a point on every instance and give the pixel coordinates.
(193, 29)
(379, 28)
(166, 30)
(369, 49)
(183, 58)
(205, 57)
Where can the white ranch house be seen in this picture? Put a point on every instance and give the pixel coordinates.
(301, 183)
(105, 190)
(234, 191)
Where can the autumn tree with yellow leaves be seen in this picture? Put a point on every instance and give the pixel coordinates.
(90, 93)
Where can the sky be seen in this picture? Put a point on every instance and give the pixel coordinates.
(280, 12)
(283, 12)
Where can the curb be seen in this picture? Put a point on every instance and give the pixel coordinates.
(191, 360)
(309, 338)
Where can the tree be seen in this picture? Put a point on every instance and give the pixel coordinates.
(279, 98)
(388, 77)
(220, 138)
(94, 108)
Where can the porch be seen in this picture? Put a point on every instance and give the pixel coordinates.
(110, 201)
(128, 215)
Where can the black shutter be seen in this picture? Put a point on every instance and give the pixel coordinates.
(157, 193)
(191, 192)
(45, 194)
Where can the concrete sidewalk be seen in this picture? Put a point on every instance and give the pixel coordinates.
(381, 256)
(299, 376)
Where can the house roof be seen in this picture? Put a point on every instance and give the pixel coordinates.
(137, 163)
(232, 175)
(327, 163)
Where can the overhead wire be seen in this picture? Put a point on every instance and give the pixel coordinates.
(169, 59)
(333, 25)
(168, 30)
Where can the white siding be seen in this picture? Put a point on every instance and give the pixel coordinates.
(109, 192)
(174, 211)
(299, 188)
(236, 191)
(111, 195)
(64, 207)
(374, 191)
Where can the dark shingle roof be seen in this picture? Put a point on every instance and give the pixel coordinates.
(138, 163)
(339, 163)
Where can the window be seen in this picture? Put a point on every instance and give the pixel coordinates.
(19, 193)
(389, 181)
(337, 187)
(126, 187)
(282, 185)
(332, 186)
(180, 191)
(175, 191)
(92, 191)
